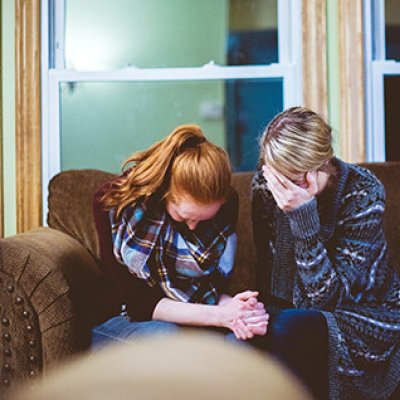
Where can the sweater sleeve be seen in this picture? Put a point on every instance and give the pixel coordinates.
(347, 270)
(139, 297)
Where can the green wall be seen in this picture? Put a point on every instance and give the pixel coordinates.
(103, 123)
(333, 71)
(8, 114)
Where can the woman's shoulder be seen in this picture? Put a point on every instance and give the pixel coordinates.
(258, 182)
(259, 188)
(108, 185)
(360, 186)
(361, 179)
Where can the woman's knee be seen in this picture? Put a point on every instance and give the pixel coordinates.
(119, 329)
(296, 322)
(159, 327)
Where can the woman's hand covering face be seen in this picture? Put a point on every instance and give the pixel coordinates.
(288, 193)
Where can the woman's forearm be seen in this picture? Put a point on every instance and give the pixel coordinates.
(242, 314)
(189, 313)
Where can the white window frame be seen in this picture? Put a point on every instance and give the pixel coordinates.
(377, 67)
(288, 68)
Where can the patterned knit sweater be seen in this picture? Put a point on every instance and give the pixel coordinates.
(330, 254)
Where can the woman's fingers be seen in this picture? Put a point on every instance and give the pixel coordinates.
(287, 194)
(252, 302)
(246, 295)
(312, 181)
(272, 177)
(257, 319)
(285, 182)
(242, 331)
(259, 306)
(255, 312)
(259, 329)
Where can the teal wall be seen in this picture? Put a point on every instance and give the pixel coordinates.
(8, 114)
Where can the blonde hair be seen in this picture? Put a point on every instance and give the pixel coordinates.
(185, 162)
(296, 140)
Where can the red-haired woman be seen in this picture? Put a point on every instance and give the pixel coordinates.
(167, 234)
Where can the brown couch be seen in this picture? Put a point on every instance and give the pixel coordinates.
(53, 288)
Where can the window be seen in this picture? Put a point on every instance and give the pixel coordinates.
(382, 23)
(119, 75)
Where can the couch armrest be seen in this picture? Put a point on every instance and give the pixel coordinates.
(49, 284)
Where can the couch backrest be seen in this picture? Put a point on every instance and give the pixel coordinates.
(389, 174)
(244, 272)
(70, 205)
(70, 211)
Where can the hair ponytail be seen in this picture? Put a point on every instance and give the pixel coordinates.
(152, 169)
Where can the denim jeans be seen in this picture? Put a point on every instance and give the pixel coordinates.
(298, 338)
(121, 329)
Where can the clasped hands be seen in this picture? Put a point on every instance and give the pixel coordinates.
(244, 315)
(288, 193)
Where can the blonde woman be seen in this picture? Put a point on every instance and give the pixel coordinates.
(323, 269)
(167, 235)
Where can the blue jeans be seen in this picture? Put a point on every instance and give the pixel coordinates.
(120, 329)
(299, 339)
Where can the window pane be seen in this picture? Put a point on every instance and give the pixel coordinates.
(103, 123)
(253, 32)
(392, 29)
(392, 118)
(113, 34)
